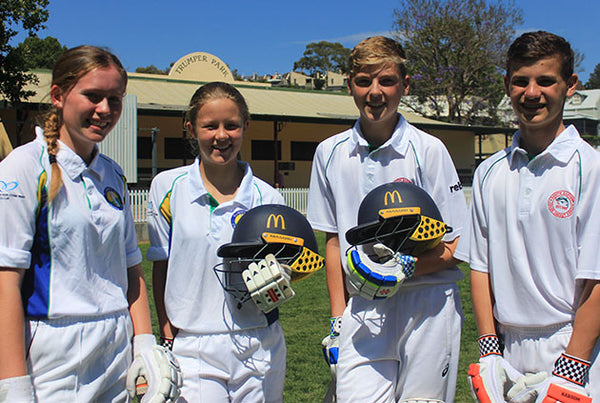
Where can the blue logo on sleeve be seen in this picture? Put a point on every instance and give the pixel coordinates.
(8, 186)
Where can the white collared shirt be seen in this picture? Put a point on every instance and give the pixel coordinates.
(535, 228)
(195, 301)
(77, 249)
(344, 171)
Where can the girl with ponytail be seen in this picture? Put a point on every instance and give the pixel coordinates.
(72, 291)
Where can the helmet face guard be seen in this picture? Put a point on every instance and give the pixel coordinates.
(401, 216)
(268, 229)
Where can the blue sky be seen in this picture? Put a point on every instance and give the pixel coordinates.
(267, 36)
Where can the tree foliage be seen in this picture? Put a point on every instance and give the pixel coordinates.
(17, 16)
(593, 81)
(456, 51)
(321, 57)
(152, 69)
(40, 53)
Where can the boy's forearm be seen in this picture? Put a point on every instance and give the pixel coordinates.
(137, 296)
(438, 258)
(586, 328)
(335, 275)
(481, 296)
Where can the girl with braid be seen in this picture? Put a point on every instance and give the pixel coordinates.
(73, 304)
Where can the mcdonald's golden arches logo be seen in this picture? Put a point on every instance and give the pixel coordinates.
(276, 219)
(392, 197)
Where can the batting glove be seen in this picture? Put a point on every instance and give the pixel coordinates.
(154, 373)
(379, 280)
(566, 385)
(331, 345)
(17, 390)
(492, 377)
(268, 282)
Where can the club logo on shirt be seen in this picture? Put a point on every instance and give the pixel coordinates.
(402, 179)
(235, 217)
(561, 204)
(113, 198)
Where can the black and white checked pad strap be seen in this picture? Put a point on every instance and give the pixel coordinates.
(489, 344)
(572, 369)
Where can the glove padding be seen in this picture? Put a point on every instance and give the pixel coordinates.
(18, 389)
(154, 373)
(268, 282)
(331, 352)
(379, 280)
(540, 388)
(491, 378)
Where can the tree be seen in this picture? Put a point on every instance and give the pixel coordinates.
(15, 16)
(456, 51)
(321, 57)
(40, 53)
(152, 69)
(593, 81)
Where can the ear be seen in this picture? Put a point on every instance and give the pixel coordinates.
(56, 96)
(572, 85)
(246, 124)
(190, 130)
(349, 84)
(506, 84)
(406, 86)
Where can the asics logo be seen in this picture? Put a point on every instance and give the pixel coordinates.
(8, 186)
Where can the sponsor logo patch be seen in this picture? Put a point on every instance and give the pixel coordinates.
(561, 204)
(113, 198)
(6, 190)
(8, 186)
(402, 179)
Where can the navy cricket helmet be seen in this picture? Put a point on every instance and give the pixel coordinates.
(400, 215)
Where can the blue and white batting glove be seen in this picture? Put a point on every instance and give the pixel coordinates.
(17, 389)
(154, 372)
(565, 385)
(331, 346)
(379, 280)
(491, 378)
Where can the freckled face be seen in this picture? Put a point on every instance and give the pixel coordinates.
(219, 129)
(538, 93)
(90, 109)
(377, 90)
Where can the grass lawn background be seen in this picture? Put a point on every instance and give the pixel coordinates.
(305, 321)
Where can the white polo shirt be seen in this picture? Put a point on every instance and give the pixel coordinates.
(535, 228)
(186, 231)
(77, 249)
(344, 171)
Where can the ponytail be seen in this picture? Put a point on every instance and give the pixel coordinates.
(51, 127)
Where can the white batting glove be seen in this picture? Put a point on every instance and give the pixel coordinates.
(491, 378)
(379, 280)
(331, 345)
(18, 389)
(268, 282)
(154, 373)
(566, 385)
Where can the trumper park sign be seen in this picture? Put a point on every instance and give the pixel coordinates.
(201, 66)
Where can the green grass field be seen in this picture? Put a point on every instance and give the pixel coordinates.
(305, 321)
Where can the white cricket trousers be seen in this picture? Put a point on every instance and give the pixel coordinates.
(535, 349)
(245, 366)
(80, 360)
(405, 347)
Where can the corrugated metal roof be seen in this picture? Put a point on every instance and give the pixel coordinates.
(163, 93)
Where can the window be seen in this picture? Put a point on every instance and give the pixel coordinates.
(144, 147)
(177, 148)
(303, 150)
(263, 150)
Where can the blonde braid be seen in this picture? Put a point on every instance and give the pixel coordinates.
(51, 126)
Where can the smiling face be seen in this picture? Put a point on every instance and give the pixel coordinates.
(538, 93)
(90, 109)
(377, 90)
(218, 128)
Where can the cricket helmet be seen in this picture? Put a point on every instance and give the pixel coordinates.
(400, 215)
(268, 229)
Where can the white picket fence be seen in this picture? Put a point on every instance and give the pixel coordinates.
(296, 198)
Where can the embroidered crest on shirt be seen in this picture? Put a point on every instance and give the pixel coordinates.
(113, 198)
(235, 217)
(561, 204)
(402, 179)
